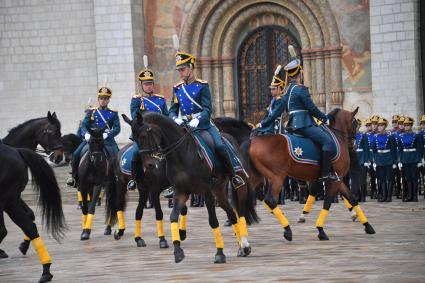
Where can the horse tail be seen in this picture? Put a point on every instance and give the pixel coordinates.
(251, 215)
(115, 193)
(245, 155)
(45, 184)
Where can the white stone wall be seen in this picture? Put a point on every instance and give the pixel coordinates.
(47, 60)
(394, 29)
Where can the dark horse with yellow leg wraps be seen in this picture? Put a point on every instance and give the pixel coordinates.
(14, 164)
(159, 137)
(276, 165)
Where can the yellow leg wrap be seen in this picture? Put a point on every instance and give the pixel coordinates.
(279, 215)
(322, 218)
(175, 235)
(242, 227)
(26, 238)
(79, 196)
(309, 203)
(89, 221)
(138, 228)
(183, 219)
(237, 232)
(219, 244)
(88, 197)
(347, 204)
(121, 221)
(160, 228)
(360, 214)
(101, 194)
(83, 220)
(267, 207)
(41, 251)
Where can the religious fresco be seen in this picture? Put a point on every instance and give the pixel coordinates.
(353, 23)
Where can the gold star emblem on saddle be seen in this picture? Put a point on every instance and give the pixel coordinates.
(298, 151)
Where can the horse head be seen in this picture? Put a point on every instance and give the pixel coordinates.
(70, 143)
(344, 122)
(96, 144)
(50, 138)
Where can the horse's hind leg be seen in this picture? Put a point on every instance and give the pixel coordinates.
(182, 222)
(330, 193)
(213, 221)
(25, 244)
(159, 216)
(90, 215)
(349, 198)
(143, 196)
(174, 218)
(270, 203)
(312, 190)
(3, 233)
(350, 207)
(20, 217)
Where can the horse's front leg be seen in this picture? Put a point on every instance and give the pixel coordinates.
(213, 221)
(270, 203)
(159, 216)
(90, 213)
(179, 202)
(143, 196)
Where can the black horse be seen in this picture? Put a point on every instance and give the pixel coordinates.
(150, 181)
(70, 143)
(93, 172)
(159, 137)
(14, 164)
(45, 131)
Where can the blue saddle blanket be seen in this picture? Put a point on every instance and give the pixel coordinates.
(211, 159)
(126, 158)
(304, 150)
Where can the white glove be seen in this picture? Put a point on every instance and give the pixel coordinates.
(394, 166)
(367, 164)
(420, 165)
(105, 136)
(422, 161)
(194, 123)
(87, 136)
(400, 165)
(178, 121)
(374, 165)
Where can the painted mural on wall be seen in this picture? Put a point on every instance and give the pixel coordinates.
(352, 17)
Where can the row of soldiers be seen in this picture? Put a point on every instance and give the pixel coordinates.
(392, 158)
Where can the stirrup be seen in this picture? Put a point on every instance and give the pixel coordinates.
(168, 193)
(70, 182)
(331, 177)
(237, 182)
(131, 185)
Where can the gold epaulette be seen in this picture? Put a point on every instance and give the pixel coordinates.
(113, 110)
(201, 81)
(159, 95)
(137, 96)
(178, 84)
(279, 97)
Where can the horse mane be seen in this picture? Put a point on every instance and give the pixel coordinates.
(332, 115)
(24, 124)
(232, 122)
(160, 119)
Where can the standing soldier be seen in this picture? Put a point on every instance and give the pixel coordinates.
(374, 119)
(394, 121)
(411, 152)
(359, 174)
(372, 170)
(385, 154)
(397, 171)
(422, 168)
(147, 101)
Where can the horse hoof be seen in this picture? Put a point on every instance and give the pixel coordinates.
(247, 250)
(322, 235)
(220, 257)
(140, 242)
(24, 246)
(85, 235)
(45, 278)
(118, 234)
(163, 244)
(368, 228)
(240, 253)
(288, 233)
(3, 254)
(108, 231)
(182, 234)
(178, 254)
(301, 220)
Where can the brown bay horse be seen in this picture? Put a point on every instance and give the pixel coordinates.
(275, 165)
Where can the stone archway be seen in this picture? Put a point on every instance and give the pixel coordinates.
(216, 38)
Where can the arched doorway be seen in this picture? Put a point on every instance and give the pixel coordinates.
(259, 54)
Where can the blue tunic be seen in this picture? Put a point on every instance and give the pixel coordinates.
(154, 103)
(275, 110)
(410, 147)
(385, 149)
(362, 149)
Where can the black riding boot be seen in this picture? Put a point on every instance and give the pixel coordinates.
(325, 167)
(73, 182)
(390, 192)
(415, 191)
(236, 180)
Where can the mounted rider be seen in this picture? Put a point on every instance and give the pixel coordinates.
(302, 110)
(191, 103)
(102, 117)
(147, 101)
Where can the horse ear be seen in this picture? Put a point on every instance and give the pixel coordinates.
(126, 119)
(54, 115)
(49, 115)
(139, 118)
(355, 111)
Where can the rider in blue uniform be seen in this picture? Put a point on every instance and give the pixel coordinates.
(410, 148)
(301, 110)
(147, 101)
(385, 155)
(191, 102)
(101, 117)
(276, 107)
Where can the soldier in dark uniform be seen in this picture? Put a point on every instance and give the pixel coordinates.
(275, 109)
(397, 172)
(359, 173)
(374, 119)
(191, 102)
(422, 168)
(372, 169)
(102, 117)
(301, 110)
(411, 152)
(385, 155)
(147, 101)
(394, 121)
